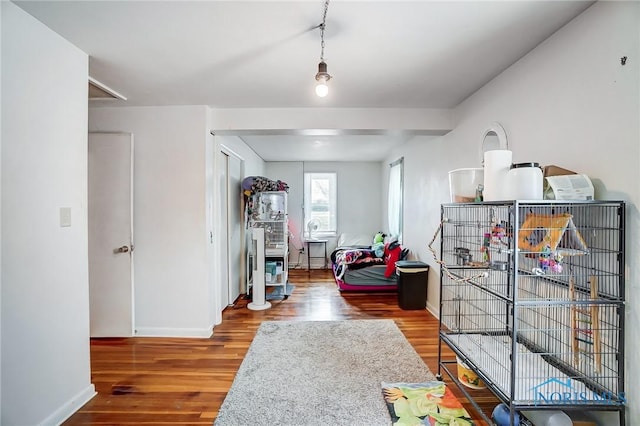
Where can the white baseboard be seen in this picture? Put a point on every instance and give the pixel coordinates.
(173, 332)
(433, 309)
(68, 408)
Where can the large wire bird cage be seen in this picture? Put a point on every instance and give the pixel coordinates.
(532, 300)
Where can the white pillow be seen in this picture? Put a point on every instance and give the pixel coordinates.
(347, 239)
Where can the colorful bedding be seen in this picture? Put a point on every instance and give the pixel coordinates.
(353, 258)
(370, 278)
(358, 268)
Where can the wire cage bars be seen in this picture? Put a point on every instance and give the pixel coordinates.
(532, 300)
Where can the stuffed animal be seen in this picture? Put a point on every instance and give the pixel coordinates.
(378, 244)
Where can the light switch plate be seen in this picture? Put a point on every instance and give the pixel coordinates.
(65, 217)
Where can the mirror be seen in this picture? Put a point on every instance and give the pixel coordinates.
(494, 137)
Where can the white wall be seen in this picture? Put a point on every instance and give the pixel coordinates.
(291, 173)
(1, 8)
(173, 293)
(426, 186)
(569, 102)
(359, 198)
(45, 293)
(213, 265)
(253, 164)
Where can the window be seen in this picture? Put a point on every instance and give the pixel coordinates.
(320, 204)
(395, 202)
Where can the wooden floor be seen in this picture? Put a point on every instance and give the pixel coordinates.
(163, 381)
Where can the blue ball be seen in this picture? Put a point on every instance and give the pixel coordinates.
(502, 416)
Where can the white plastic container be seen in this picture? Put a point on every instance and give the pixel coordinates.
(548, 418)
(496, 168)
(463, 184)
(525, 182)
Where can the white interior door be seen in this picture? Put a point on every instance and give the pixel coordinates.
(223, 209)
(110, 209)
(234, 215)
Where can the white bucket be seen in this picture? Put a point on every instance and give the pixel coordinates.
(525, 181)
(496, 166)
(463, 184)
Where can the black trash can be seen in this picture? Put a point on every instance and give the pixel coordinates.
(412, 276)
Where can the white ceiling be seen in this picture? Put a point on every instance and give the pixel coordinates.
(264, 54)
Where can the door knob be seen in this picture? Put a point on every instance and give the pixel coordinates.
(123, 249)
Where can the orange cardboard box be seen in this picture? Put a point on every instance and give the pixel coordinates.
(556, 171)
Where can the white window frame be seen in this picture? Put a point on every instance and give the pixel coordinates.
(331, 227)
(395, 201)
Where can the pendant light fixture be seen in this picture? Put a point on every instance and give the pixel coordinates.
(322, 77)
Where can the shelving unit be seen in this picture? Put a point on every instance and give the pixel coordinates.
(268, 210)
(532, 300)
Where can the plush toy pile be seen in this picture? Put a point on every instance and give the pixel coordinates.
(378, 244)
(254, 184)
(391, 252)
(380, 253)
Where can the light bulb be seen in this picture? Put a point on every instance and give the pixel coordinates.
(322, 78)
(322, 89)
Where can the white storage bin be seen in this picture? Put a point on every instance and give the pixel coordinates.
(463, 184)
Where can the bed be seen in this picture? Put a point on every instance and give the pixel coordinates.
(357, 268)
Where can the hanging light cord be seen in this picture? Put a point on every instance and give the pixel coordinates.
(322, 27)
(322, 76)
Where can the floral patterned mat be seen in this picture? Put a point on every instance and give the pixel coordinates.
(429, 403)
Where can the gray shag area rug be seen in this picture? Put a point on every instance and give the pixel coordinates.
(320, 373)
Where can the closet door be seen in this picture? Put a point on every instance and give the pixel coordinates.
(234, 234)
(110, 213)
(223, 190)
(231, 223)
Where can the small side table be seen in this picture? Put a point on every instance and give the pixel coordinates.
(309, 257)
